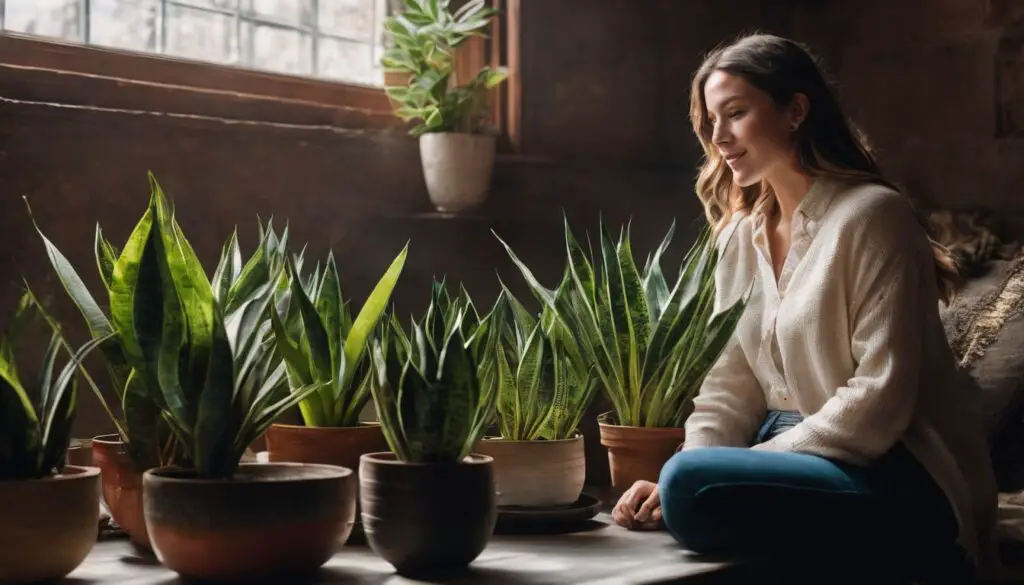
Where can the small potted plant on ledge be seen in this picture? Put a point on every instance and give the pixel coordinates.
(429, 505)
(544, 387)
(651, 345)
(51, 510)
(143, 439)
(219, 382)
(457, 142)
(321, 344)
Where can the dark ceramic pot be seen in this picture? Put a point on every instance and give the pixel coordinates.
(268, 521)
(427, 518)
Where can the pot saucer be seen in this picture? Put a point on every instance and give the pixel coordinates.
(546, 519)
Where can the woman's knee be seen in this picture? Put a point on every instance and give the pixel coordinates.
(683, 477)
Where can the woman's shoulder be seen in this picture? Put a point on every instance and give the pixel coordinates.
(871, 215)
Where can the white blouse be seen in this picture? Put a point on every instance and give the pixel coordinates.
(850, 337)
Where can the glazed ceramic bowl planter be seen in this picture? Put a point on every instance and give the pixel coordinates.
(427, 518)
(540, 473)
(50, 524)
(122, 487)
(267, 520)
(636, 453)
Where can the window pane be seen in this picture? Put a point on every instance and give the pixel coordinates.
(299, 12)
(124, 24)
(199, 34)
(50, 18)
(345, 60)
(277, 49)
(352, 19)
(224, 4)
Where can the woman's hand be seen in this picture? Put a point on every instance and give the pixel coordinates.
(639, 508)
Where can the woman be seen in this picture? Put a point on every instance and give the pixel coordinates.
(834, 419)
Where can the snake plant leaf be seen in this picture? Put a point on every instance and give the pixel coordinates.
(106, 256)
(217, 418)
(58, 410)
(370, 314)
(228, 269)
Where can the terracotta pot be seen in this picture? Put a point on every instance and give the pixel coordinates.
(268, 521)
(330, 445)
(340, 446)
(80, 453)
(457, 168)
(122, 487)
(427, 518)
(536, 473)
(636, 453)
(49, 524)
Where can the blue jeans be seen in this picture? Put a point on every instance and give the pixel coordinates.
(726, 500)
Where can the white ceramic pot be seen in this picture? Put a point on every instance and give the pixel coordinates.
(457, 168)
(536, 473)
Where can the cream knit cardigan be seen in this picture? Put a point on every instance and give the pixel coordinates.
(851, 338)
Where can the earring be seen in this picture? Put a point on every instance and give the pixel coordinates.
(794, 126)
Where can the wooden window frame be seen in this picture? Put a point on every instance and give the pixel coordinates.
(95, 76)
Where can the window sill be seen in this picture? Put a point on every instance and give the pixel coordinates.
(54, 72)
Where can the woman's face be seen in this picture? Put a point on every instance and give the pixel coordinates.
(750, 130)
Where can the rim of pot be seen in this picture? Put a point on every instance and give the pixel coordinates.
(70, 472)
(576, 437)
(390, 458)
(290, 427)
(333, 472)
(108, 439)
(601, 421)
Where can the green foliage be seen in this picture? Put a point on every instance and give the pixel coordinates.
(321, 344)
(542, 393)
(651, 345)
(425, 35)
(205, 352)
(433, 388)
(36, 418)
(149, 439)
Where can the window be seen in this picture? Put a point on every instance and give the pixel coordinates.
(329, 39)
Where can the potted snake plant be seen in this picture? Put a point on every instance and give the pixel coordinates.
(143, 439)
(51, 509)
(322, 344)
(218, 381)
(428, 504)
(544, 387)
(651, 344)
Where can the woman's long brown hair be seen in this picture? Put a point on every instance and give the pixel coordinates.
(827, 142)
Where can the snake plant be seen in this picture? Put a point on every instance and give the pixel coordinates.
(651, 344)
(326, 346)
(433, 396)
(149, 440)
(36, 417)
(542, 393)
(215, 375)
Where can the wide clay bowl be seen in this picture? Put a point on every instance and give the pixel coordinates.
(267, 521)
(49, 525)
